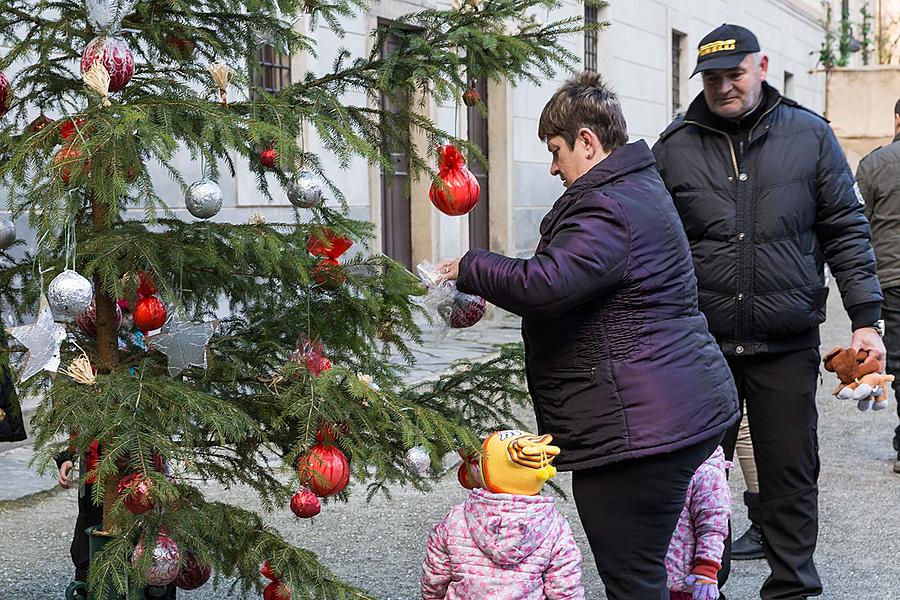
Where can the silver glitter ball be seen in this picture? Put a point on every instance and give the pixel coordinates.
(305, 191)
(105, 15)
(69, 294)
(204, 199)
(418, 460)
(7, 233)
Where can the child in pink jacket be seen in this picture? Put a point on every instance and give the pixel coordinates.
(505, 542)
(695, 552)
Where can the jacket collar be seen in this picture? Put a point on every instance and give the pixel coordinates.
(699, 112)
(897, 138)
(623, 160)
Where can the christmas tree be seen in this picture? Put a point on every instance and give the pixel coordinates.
(271, 365)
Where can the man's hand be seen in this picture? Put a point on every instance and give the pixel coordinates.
(64, 470)
(448, 270)
(866, 338)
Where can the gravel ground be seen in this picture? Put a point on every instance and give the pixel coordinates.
(378, 546)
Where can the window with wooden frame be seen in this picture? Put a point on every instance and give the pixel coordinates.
(273, 69)
(591, 40)
(679, 41)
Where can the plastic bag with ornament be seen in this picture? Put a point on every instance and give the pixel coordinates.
(456, 309)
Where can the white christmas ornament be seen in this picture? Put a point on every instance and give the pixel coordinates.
(419, 460)
(204, 199)
(69, 294)
(304, 191)
(7, 233)
(107, 15)
(184, 343)
(42, 338)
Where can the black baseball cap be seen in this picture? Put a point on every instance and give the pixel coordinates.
(725, 47)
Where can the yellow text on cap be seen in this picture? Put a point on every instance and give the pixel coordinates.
(719, 46)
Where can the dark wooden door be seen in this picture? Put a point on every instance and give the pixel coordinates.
(479, 217)
(396, 224)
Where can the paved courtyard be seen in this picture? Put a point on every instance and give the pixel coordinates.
(379, 545)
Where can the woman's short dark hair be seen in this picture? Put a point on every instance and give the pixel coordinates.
(584, 101)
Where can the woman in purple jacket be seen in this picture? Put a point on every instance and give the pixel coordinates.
(621, 367)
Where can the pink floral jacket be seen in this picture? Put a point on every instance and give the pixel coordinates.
(503, 547)
(699, 538)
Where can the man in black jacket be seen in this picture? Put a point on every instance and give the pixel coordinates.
(767, 198)
(878, 175)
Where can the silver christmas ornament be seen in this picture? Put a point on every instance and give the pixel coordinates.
(304, 191)
(204, 199)
(42, 338)
(107, 15)
(183, 342)
(418, 460)
(7, 233)
(69, 294)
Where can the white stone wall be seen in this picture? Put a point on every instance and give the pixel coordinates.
(634, 57)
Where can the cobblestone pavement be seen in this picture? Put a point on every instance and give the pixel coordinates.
(379, 545)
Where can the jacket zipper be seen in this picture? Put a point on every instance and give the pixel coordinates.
(740, 329)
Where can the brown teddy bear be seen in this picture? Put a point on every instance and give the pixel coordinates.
(859, 376)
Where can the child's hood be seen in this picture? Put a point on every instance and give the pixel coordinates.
(717, 459)
(508, 528)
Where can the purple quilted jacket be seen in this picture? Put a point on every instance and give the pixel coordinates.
(699, 537)
(619, 359)
(503, 547)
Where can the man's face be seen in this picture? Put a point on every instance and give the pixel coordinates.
(567, 163)
(731, 93)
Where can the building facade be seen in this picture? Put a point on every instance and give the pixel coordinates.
(646, 53)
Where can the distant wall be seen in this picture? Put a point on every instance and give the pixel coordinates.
(860, 104)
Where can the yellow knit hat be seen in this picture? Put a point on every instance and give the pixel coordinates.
(517, 462)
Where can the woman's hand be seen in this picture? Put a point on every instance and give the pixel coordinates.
(448, 269)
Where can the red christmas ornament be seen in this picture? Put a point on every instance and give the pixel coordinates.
(468, 476)
(39, 123)
(268, 572)
(460, 192)
(268, 158)
(6, 95)
(114, 54)
(179, 47)
(136, 489)
(327, 244)
(149, 314)
(87, 321)
(305, 504)
(147, 286)
(71, 127)
(66, 158)
(328, 273)
(276, 590)
(466, 310)
(193, 573)
(471, 97)
(328, 433)
(325, 470)
(311, 355)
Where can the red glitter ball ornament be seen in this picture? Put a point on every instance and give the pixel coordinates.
(268, 572)
(149, 314)
(327, 243)
(276, 590)
(136, 489)
(66, 158)
(465, 310)
(268, 158)
(460, 192)
(193, 573)
(87, 321)
(305, 504)
(325, 470)
(6, 95)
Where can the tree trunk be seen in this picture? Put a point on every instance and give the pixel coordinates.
(107, 347)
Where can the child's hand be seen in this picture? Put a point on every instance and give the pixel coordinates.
(64, 469)
(704, 587)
